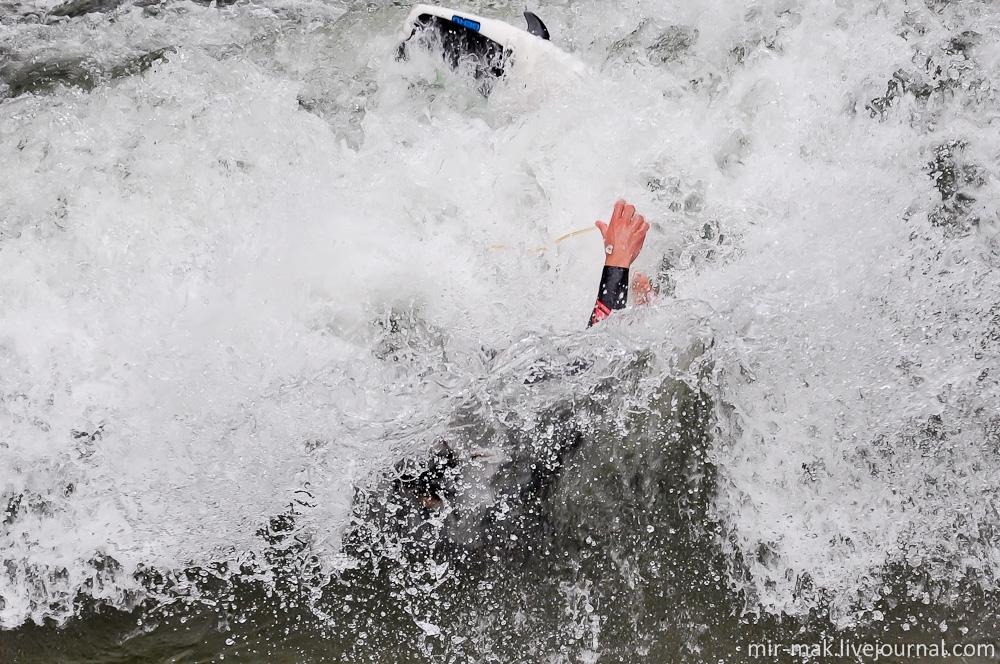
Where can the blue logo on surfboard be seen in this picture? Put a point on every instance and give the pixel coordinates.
(464, 22)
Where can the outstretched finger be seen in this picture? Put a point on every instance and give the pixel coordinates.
(603, 227)
(619, 207)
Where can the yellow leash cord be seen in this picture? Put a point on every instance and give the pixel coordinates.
(557, 241)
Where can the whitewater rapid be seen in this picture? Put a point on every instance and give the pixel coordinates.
(201, 253)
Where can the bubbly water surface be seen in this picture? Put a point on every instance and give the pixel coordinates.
(257, 275)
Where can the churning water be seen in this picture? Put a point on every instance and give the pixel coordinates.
(287, 375)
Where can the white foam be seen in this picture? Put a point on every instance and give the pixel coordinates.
(191, 263)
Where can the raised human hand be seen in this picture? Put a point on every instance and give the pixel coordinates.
(623, 236)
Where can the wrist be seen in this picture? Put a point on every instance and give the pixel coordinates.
(617, 260)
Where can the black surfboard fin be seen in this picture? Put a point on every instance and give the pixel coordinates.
(535, 26)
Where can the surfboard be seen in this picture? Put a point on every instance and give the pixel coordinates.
(490, 47)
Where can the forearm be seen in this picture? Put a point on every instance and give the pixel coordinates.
(611, 294)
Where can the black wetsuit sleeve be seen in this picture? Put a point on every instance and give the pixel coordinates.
(612, 293)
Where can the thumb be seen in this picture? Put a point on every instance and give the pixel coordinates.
(603, 227)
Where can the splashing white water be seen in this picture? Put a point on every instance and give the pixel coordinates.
(192, 264)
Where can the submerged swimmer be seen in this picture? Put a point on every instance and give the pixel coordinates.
(437, 482)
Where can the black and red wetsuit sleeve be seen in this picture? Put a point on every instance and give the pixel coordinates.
(612, 293)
